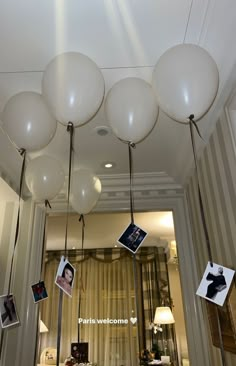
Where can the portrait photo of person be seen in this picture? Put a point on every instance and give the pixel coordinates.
(215, 283)
(132, 237)
(8, 313)
(65, 276)
(39, 291)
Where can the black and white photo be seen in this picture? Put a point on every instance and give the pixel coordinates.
(215, 283)
(8, 313)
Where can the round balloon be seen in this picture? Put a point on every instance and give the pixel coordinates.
(185, 80)
(28, 121)
(131, 109)
(85, 190)
(73, 87)
(44, 177)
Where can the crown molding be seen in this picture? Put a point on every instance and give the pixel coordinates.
(150, 190)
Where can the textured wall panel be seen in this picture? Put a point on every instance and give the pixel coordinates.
(217, 178)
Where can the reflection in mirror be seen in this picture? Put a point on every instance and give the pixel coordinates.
(115, 293)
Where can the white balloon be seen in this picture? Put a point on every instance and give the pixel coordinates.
(131, 109)
(73, 87)
(28, 121)
(44, 177)
(85, 190)
(185, 80)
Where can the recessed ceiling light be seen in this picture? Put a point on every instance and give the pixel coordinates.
(108, 164)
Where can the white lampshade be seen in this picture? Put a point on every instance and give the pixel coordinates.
(163, 315)
(42, 327)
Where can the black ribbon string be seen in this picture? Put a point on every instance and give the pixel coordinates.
(70, 129)
(130, 146)
(46, 204)
(136, 300)
(23, 153)
(193, 124)
(81, 287)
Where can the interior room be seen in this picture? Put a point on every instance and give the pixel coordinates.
(117, 182)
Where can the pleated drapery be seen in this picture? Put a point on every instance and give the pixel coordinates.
(106, 292)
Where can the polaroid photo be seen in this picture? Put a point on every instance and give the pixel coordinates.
(215, 283)
(8, 313)
(65, 276)
(39, 291)
(132, 238)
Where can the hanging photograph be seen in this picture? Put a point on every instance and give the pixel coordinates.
(132, 237)
(39, 291)
(65, 276)
(215, 283)
(8, 313)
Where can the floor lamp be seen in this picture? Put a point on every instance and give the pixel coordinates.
(163, 315)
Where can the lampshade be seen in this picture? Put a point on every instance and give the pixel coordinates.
(163, 315)
(42, 327)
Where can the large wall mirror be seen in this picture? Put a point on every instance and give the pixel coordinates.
(110, 313)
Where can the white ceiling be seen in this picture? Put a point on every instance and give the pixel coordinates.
(124, 38)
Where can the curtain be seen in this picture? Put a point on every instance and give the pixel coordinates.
(111, 285)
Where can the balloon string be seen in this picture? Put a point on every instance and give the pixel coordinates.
(81, 286)
(130, 146)
(22, 153)
(193, 124)
(70, 129)
(46, 204)
(59, 326)
(136, 300)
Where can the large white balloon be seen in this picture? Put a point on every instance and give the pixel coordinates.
(131, 109)
(73, 87)
(28, 121)
(44, 177)
(85, 190)
(185, 80)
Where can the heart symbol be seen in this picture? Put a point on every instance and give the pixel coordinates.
(133, 320)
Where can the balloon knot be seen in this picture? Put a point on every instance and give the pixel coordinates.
(132, 144)
(70, 126)
(191, 117)
(21, 151)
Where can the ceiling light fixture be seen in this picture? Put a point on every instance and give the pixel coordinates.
(108, 164)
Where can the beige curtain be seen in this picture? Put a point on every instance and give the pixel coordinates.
(105, 287)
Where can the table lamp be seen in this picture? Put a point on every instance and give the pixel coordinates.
(163, 315)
